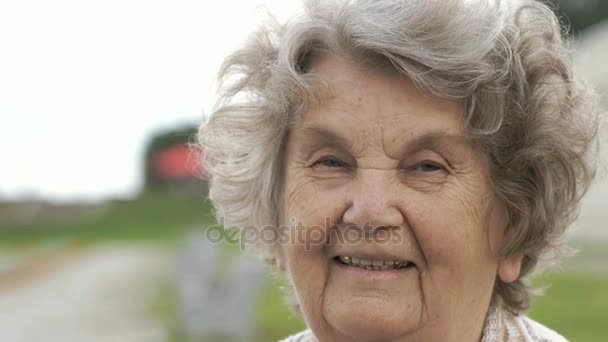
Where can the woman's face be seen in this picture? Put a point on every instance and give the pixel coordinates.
(378, 173)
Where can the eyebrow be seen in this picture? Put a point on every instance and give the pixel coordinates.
(438, 139)
(434, 140)
(323, 136)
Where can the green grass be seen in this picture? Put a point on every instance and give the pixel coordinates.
(574, 304)
(151, 217)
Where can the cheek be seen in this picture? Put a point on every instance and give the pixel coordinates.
(307, 274)
(456, 249)
(310, 204)
(308, 212)
(308, 217)
(452, 230)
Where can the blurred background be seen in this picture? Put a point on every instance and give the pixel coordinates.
(104, 223)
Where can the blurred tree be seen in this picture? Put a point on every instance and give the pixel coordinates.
(580, 14)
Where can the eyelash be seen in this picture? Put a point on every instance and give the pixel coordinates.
(428, 162)
(329, 158)
(436, 165)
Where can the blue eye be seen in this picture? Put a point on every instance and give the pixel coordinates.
(428, 167)
(329, 162)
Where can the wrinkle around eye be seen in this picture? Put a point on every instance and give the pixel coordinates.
(425, 181)
(330, 163)
(424, 184)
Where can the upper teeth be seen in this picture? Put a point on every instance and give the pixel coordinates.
(365, 262)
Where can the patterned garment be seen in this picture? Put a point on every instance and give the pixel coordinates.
(501, 326)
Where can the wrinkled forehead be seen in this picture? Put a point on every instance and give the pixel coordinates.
(362, 106)
(340, 83)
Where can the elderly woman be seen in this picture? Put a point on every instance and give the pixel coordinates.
(407, 163)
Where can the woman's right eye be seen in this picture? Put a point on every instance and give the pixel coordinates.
(329, 162)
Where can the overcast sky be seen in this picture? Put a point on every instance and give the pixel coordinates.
(83, 84)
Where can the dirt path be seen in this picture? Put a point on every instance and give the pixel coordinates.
(104, 294)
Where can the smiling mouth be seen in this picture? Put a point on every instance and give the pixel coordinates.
(373, 265)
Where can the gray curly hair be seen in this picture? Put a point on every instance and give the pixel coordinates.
(507, 60)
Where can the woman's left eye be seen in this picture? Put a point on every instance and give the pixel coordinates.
(428, 167)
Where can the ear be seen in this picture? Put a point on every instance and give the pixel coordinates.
(509, 268)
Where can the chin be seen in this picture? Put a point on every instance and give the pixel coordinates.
(372, 319)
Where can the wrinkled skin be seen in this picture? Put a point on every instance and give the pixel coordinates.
(377, 157)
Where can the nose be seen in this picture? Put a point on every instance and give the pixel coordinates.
(373, 202)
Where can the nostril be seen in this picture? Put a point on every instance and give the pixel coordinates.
(384, 232)
(373, 214)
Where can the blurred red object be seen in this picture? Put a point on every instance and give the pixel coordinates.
(177, 162)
